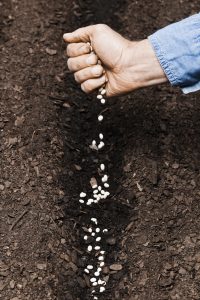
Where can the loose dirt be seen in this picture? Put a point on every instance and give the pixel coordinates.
(152, 150)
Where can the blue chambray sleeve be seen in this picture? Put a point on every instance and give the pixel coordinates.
(177, 48)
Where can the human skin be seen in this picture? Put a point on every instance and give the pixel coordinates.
(126, 65)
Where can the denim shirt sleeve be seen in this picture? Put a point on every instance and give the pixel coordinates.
(177, 48)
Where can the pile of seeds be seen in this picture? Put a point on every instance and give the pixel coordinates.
(94, 232)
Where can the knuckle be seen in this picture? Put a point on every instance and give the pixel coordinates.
(101, 27)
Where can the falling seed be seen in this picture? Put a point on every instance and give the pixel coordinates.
(100, 118)
(89, 267)
(102, 289)
(93, 279)
(99, 188)
(104, 178)
(95, 298)
(97, 247)
(90, 230)
(99, 96)
(85, 237)
(94, 143)
(103, 92)
(100, 258)
(101, 145)
(102, 167)
(86, 271)
(94, 284)
(94, 220)
(93, 234)
(98, 239)
(102, 264)
(102, 252)
(99, 269)
(81, 201)
(101, 136)
(96, 274)
(106, 185)
(97, 229)
(82, 195)
(89, 248)
(95, 191)
(105, 230)
(103, 101)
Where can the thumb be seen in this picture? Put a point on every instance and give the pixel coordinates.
(80, 35)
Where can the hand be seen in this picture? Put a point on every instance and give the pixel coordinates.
(126, 65)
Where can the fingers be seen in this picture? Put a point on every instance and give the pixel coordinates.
(77, 49)
(80, 35)
(88, 73)
(90, 85)
(81, 62)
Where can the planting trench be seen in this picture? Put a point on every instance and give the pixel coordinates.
(152, 153)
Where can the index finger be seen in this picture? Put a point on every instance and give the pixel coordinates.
(80, 35)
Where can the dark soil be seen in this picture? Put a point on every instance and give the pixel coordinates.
(152, 150)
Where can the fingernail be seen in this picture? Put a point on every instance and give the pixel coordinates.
(65, 36)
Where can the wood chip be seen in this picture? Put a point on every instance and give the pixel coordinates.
(116, 267)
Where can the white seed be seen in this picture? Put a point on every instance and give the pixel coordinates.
(94, 220)
(94, 186)
(100, 282)
(100, 258)
(93, 279)
(102, 252)
(103, 101)
(102, 167)
(103, 92)
(95, 284)
(98, 239)
(81, 201)
(95, 191)
(94, 143)
(99, 96)
(95, 298)
(99, 188)
(93, 234)
(101, 145)
(82, 195)
(105, 230)
(101, 136)
(102, 289)
(102, 264)
(99, 269)
(100, 118)
(104, 178)
(90, 230)
(85, 237)
(106, 185)
(96, 274)
(97, 229)
(86, 271)
(89, 248)
(97, 247)
(89, 267)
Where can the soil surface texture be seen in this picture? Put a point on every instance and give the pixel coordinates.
(152, 153)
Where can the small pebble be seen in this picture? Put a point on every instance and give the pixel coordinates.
(100, 118)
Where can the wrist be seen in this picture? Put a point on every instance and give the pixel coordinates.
(146, 68)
